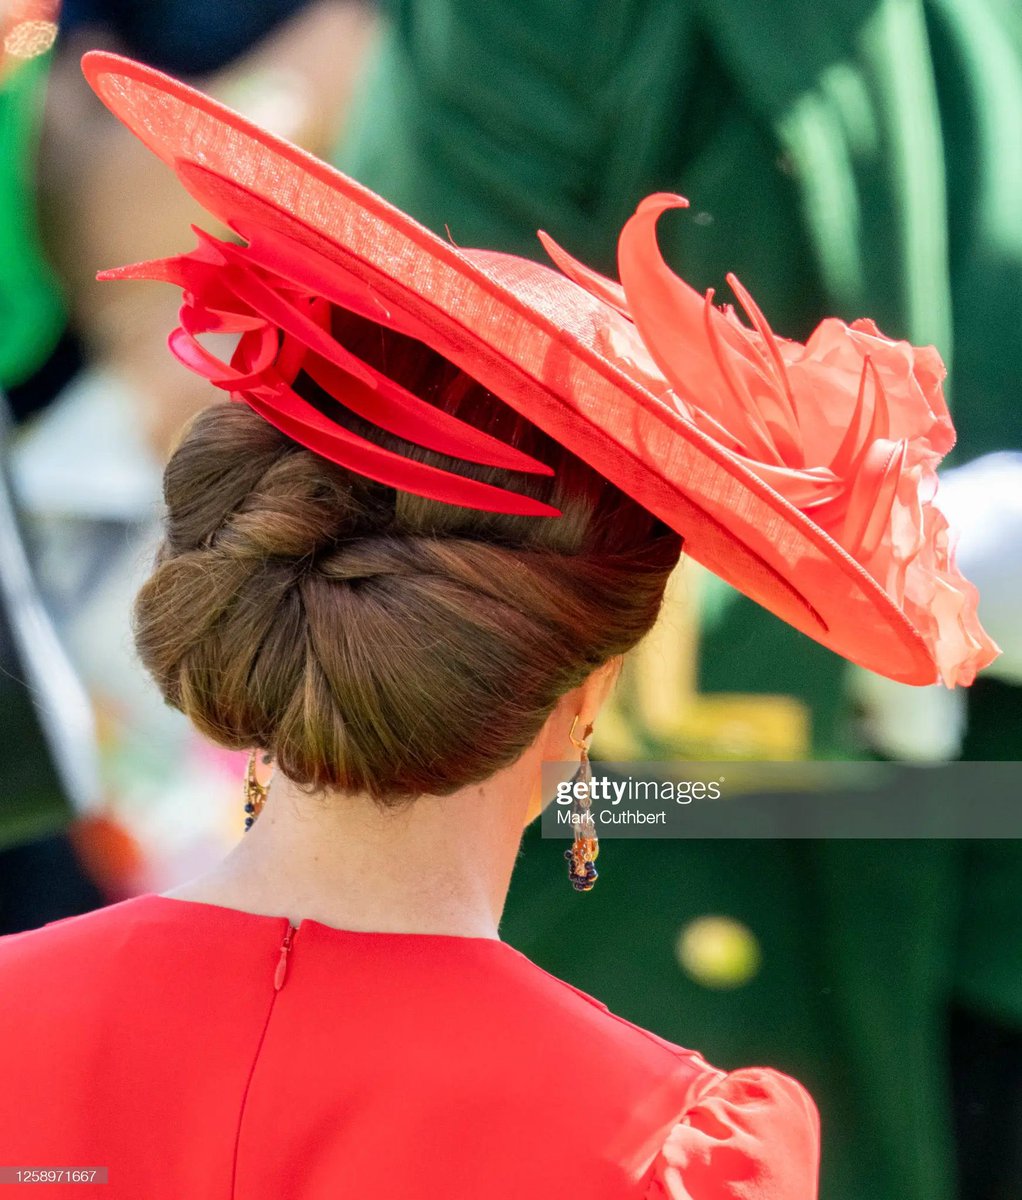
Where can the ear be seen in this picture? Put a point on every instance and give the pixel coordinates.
(554, 742)
(592, 693)
(583, 703)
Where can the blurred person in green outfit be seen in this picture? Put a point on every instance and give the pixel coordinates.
(860, 159)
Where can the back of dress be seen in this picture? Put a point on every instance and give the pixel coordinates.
(200, 1051)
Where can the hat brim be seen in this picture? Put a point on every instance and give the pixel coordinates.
(539, 342)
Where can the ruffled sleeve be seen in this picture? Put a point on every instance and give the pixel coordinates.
(753, 1134)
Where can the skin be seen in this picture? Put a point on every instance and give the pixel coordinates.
(343, 861)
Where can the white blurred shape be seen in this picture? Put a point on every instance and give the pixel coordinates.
(983, 504)
(85, 456)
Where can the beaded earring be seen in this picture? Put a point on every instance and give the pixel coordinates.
(582, 855)
(255, 793)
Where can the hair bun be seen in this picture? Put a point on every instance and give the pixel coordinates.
(265, 498)
(378, 642)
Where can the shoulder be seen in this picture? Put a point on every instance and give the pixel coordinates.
(29, 956)
(754, 1133)
(34, 946)
(707, 1133)
(565, 1006)
(54, 980)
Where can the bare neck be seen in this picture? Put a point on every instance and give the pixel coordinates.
(440, 865)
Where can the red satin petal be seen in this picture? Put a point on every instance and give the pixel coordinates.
(291, 356)
(293, 415)
(853, 443)
(806, 487)
(774, 398)
(666, 311)
(404, 414)
(873, 473)
(190, 353)
(773, 354)
(218, 320)
(309, 270)
(598, 285)
(274, 308)
(739, 414)
(344, 375)
(259, 350)
(883, 501)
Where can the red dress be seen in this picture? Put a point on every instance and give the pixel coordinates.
(203, 1053)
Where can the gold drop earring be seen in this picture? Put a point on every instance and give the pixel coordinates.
(582, 856)
(255, 793)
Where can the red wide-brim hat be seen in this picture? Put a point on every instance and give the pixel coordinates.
(802, 474)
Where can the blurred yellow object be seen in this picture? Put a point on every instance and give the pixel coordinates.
(719, 952)
(656, 710)
(30, 38)
(28, 28)
(758, 727)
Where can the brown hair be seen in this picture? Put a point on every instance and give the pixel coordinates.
(376, 641)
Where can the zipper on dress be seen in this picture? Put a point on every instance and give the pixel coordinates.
(281, 971)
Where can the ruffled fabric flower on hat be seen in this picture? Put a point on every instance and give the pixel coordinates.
(848, 428)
